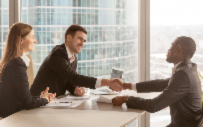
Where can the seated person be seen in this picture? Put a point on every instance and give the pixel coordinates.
(58, 71)
(14, 86)
(181, 92)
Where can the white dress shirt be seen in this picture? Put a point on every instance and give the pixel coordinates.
(25, 59)
(72, 58)
(134, 87)
(174, 68)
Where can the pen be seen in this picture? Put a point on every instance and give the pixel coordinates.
(65, 102)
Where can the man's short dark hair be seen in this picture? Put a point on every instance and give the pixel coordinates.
(188, 45)
(73, 29)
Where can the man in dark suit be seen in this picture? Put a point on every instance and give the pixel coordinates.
(58, 71)
(181, 92)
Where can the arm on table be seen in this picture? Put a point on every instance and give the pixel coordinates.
(63, 68)
(22, 88)
(148, 86)
(176, 90)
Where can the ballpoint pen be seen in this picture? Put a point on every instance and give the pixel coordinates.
(65, 102)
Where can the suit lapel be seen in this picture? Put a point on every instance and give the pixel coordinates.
(64, 48)
(74, 64)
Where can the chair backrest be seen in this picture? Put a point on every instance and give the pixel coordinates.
(200, 123)
(30, 71)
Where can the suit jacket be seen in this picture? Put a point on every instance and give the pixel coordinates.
(57, 73)
(14, 90)
(181, 92)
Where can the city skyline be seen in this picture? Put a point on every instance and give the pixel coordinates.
(111, 39)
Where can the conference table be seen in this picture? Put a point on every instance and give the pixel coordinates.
(89, 114)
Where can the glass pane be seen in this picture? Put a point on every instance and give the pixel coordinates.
(112, 36)
(168, 22)
(4, 21)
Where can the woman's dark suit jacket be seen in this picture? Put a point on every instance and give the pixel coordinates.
(14, 90)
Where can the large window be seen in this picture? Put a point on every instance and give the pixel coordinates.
(112, 37)
(169, 20)
(3, 24)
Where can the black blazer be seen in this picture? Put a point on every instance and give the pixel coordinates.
(182, 93)
(59, 75)
(14, 90)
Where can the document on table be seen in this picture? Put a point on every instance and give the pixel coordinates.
(70, 101)
(76, 103)
(104, 91)
(64, 102)
(85, 96)
(57, 105)
(72, 97)
(104, 100)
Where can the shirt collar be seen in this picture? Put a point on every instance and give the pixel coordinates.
(70, 56)
(25, 59)
(174, 68)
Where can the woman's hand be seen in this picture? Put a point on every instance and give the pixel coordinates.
(48, 96)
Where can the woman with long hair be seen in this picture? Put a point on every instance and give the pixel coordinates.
(14, 86)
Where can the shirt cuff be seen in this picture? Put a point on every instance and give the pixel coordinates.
(98, 83)
(134, 87)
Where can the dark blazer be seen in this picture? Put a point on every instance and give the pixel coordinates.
(182, 93)
(14, 90)
(59, 75)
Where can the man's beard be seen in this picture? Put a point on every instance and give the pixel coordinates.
(169, 60)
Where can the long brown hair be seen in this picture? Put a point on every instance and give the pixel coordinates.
(12, 48)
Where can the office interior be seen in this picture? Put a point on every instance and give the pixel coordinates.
(133, 35)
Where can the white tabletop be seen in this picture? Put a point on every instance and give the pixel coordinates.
(88, 114)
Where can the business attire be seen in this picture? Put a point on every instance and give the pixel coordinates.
(14, 88)
(58, 72)
(181, 92)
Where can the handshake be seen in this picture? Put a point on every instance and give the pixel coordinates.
(114, 84)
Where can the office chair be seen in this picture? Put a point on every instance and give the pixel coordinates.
(200, 123)
(30, 71)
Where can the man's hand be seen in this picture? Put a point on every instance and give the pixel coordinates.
(48, 96)
(116, 85)
(125, 85)
(80, 91)
(120, 81)
(119, 100)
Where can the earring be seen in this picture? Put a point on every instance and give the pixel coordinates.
(21, 50)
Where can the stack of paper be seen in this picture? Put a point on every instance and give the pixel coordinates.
(72, 97)
(103, 91)
(64, 102)
(76, 103)
(85, 96)
(104, 100)
(70, 101)
(58, 105)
